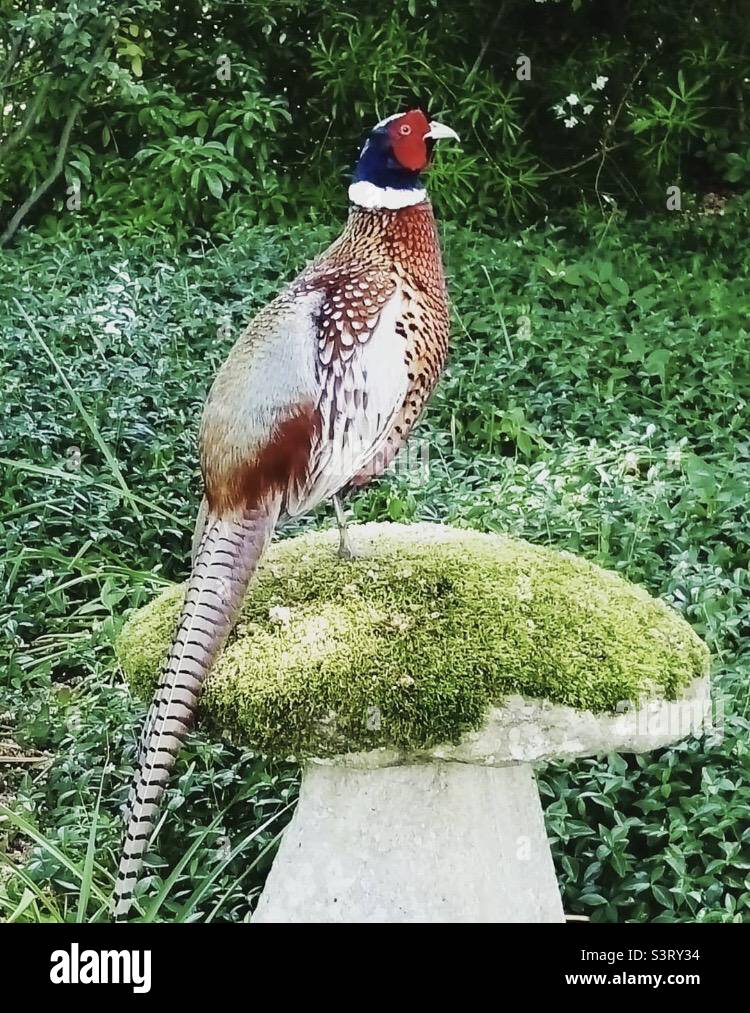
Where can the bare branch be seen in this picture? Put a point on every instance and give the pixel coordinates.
(62, 147)
(32, 77)
(15, 49)
(486, 41)
(584, 161)
(49, 179)
(605, 148)
(14, 139)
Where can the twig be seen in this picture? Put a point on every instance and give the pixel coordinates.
(15, 49)
(48, 180)
(12, 140)
(583, 161)
(64, 141)
(37, 73)
(486, 41)
(609, 129)
(84, 25)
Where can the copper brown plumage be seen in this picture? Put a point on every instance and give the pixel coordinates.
(316, 396)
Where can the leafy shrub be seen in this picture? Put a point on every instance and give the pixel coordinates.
(595, 400)
(207, 114)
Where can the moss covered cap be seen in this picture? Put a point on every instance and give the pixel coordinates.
(412, 643)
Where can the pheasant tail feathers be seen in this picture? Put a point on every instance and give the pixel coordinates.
(228, 554)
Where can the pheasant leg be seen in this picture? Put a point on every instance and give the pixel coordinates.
(346, 549)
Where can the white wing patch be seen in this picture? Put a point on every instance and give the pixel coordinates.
(361, 394)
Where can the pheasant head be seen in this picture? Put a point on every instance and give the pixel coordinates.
(398, 149)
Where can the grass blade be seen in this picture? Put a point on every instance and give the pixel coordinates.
(75, 398)
(31, 831)
(198, 894)
(88, 862)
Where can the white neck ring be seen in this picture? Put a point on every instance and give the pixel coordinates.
(367, 195)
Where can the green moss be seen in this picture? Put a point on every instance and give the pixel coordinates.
(409, 644)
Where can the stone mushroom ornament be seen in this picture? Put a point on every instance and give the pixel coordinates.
(417, 684)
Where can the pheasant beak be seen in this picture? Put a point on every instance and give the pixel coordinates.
(439, 132)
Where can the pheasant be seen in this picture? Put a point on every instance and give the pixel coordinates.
(315, 399)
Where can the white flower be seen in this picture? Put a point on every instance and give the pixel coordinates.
(571, 121)
(559, 111)
(572, 99)
(599, 83)
(587, 110)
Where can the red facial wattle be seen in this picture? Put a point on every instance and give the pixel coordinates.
(407, 136)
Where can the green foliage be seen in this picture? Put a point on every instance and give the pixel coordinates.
(208, 114)
(672, 120)
(659, 838)
(596, 400)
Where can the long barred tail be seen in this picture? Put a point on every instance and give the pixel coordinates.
(227, 556)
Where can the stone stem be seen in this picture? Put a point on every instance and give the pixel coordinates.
(433, 842)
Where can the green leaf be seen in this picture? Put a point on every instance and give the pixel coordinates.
(636, 346)
(592, 899)
(214, 183)
(656, 363)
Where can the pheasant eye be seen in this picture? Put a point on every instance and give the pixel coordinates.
(405, 129)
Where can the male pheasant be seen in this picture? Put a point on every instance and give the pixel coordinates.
(316, 397)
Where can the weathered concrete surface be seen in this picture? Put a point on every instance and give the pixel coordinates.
(454, 833)
(438, 842)
(529, 730)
